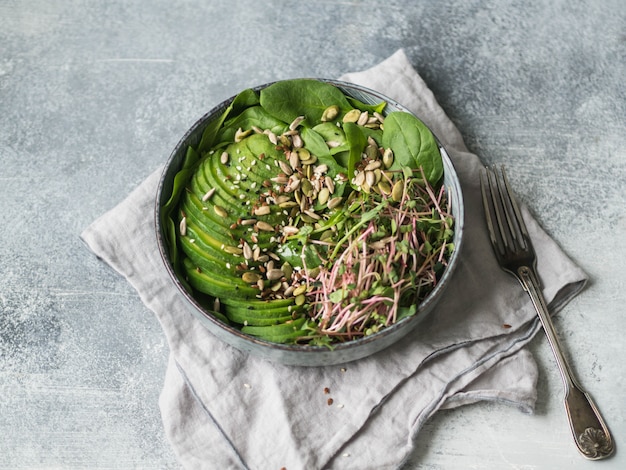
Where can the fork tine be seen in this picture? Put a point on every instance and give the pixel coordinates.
(501, 210)
(484, 178)
(518, 215)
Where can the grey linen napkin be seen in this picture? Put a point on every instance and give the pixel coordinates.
(222, 408)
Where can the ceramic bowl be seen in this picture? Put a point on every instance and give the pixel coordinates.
(306, 355)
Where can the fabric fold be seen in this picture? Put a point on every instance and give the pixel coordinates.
(222, 408)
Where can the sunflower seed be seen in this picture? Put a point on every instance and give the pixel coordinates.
(285, 167)
(248, 222)
(183, 226)
(294, 160)
(312, 214)
(247, 251)
(224, 158)
(208, 195)
(359, 179)
(334, 202)
(296, 141)
(261, 225)
(274, 274)
(363, 117)
(374, 164)
(262, 210)
(290, 230)
(321, 169)
(330, 184)
(296, 122)
(323, 195)
(272, 137)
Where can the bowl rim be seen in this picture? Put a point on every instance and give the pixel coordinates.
(426, 304)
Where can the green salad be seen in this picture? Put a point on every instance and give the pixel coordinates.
(306, 216)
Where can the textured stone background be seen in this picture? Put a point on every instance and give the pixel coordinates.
(94, 95)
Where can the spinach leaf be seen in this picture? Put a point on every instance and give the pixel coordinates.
(413, 145)
(286, 100)
(242, 101)
(253, 116)
(367, 107)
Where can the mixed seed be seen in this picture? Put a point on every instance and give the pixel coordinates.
(345, 252)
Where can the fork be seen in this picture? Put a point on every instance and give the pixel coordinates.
(515, 254)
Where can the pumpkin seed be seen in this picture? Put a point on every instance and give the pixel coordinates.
(219, 210)
(301, 289)
(384, 187)
(250, 277)
(371, 152)
(240, 134)
(330, 113)
(388, 158)
(300, 299)
(224, 158)
(323, 195)
(307, 187)
(352, 116)
(287, 270)
(233, 250)
(397, 191)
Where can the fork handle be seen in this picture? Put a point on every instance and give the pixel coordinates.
(591, 434)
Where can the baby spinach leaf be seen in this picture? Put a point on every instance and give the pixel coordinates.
(253, 116)
(314, 142)
(413, 145)
(367, 107)
(286, 100)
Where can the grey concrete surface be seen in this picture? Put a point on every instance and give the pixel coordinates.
(93, 97)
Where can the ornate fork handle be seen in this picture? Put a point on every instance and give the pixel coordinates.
(515, 254)
(590, 433)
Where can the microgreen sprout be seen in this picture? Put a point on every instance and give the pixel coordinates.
(385, 262)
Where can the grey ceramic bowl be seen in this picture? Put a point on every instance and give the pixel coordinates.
(304, 355)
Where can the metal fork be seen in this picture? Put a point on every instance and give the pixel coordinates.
(515, 254)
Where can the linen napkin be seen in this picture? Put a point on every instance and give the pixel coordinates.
(223, 408)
